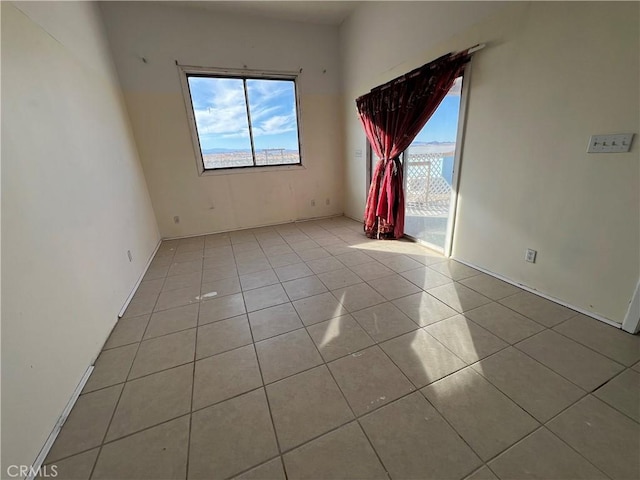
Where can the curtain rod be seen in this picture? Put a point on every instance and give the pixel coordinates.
(414, 72)
(475, 48)
(469, 51)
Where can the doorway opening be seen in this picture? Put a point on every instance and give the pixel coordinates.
(430, 174)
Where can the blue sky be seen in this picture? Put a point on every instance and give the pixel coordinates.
(219, 107)
(443, 125)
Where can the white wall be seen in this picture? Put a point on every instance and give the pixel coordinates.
(553, 74)
(74, 200)
(197, 37)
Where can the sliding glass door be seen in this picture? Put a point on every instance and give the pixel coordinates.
(429, 174)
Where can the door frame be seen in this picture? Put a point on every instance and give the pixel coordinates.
(631, 321)
(457, 160)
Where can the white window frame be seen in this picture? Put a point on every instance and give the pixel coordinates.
(185, 71)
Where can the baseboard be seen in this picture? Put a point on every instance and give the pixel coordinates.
(324, 217)
(135, 287)
(359, 220)
(58, 426)
(540, 294)
(215, 232)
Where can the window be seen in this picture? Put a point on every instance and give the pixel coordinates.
(241, 120)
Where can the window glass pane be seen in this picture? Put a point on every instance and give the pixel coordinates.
(272, 104)
(221, 118)
(429, 172)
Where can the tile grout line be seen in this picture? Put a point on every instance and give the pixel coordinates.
(270, 459)
(528, 317)
(128, 435)
(553, 329)
(567, 443)
(193, 374)
(584, 394)
(515, 345)
(543, 427)
(528, 356)
(263, 386)
(542, 424)
(418, 390)
(355, 417)
(607, 382)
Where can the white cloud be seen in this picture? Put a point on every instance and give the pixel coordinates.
(267, 88)
(219, 107)
(456, 89)
(260, 111)
(225, 121)
(276, 124)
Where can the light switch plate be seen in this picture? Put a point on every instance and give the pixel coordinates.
(617, 143)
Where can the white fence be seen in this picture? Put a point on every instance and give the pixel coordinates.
(427, 190)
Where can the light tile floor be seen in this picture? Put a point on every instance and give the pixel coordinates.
(309, 351)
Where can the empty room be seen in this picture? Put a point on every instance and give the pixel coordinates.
(320, 240)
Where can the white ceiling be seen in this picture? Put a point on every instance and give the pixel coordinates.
(321, 12)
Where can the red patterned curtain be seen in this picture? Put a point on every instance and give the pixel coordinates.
(392, 115)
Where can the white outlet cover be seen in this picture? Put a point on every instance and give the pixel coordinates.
(617, 143)
(530, 255)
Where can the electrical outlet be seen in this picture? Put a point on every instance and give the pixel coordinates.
(313, 203)
(176, 219)
(328, 201)
(129, 255)
(530, 255)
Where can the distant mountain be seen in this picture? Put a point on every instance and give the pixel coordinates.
(445, 148)
(218, 150)
(434, 143)
(213, 151)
